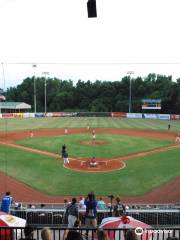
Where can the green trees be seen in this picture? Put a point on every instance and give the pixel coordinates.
(98, 96)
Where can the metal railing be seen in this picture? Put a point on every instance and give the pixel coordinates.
(155, 217)
(7, 233)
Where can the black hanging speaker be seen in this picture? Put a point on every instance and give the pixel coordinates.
(91, 7)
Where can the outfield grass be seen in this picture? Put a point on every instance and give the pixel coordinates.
(48, 175)
(117, 145)
(95, 122)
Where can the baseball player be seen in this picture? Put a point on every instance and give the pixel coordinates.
(63, 150)
(65, 158)
(93, 162)
(93, 136)
(177, 140)
(31, 134)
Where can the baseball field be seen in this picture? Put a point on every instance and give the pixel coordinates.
(137, 158)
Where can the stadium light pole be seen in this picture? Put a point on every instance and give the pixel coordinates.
(34, 66)
(129, 73)
(45, 95)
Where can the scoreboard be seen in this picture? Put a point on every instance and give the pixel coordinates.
(151, 104)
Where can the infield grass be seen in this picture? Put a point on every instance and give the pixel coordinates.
(117, 145)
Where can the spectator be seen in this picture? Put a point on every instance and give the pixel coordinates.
(46, 234)
(16, 206)
(130, 235)
(74, 233)
(119, 208)
(65, 215)
(101, 204)
(31, 206)
(28, 232)
(72, 213)
(91, 210)
(66, 202)
(6, 202)
(81, 203)
(102, 235)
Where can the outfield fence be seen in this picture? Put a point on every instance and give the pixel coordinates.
(91, 114)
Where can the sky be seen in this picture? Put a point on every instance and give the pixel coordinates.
(128, 35)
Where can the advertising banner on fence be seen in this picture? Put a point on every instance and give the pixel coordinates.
(28, 115)
(156, 116)
(175, 117)
(93, 114)
(49, 114)
(151, 103)
(56, 114)
(39, 115)
(68, 114)
(7, 115)
(149, 116)
(163, 116)
(18, 115)
(118, 114)
(134, 115)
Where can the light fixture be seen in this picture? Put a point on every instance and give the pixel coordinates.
(91, 7)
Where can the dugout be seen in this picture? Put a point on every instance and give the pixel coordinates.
(14, 107)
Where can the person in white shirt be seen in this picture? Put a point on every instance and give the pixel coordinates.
(81, 203)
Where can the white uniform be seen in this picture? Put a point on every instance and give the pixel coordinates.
(65, 158)
(178, 139)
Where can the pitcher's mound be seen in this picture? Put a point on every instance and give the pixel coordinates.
(96, 142)
(83, 165)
